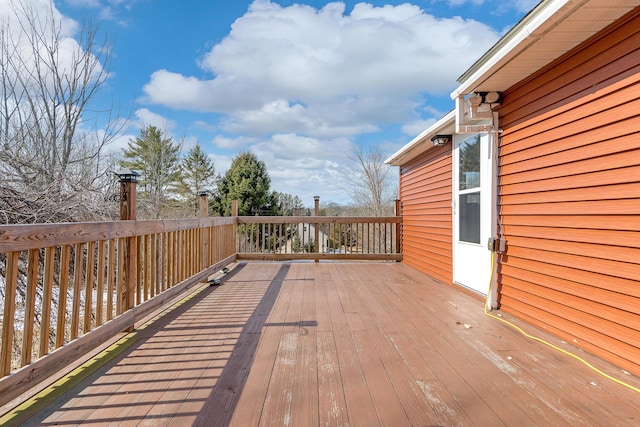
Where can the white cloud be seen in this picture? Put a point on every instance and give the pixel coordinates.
(324, 72)
(108, 9)
(299, 165)
(43, 8)
(188, 142)
(221, 141)
(206, 126)
(290, 149)
(146, 117)
(221, 162)
(143, 117)
(344, 117)
(417, 127)
(84, 3)
(120, 142)
(49, 34)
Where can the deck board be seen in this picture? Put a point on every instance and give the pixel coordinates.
(304, 407)
(305, 344)
(357, 395)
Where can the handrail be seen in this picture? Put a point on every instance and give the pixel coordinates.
(64, 281)
(70, 287)
(318, 238)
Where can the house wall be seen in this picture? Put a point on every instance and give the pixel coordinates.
(569, 196)
(425, 192)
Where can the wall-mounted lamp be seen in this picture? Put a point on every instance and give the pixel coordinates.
(440, 140)
(127, 175)
(492, 97)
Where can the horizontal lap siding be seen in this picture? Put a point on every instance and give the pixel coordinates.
(425, 192)
(570, 197)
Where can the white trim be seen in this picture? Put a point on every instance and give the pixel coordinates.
(533, 27)
(422, 142)
(471, 261)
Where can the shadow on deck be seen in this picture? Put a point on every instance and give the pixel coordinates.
(307, 344)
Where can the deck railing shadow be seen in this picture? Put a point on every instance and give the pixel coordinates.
(98, 369)
(218, 406)
(224, 396)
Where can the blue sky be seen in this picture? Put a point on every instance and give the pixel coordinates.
(294, 82)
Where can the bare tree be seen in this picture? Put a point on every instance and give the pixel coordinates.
(50, 150)
(368, 181)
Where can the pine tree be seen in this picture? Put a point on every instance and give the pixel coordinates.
(289, 204)
(155, 157)
(197, 174)
(247, 181)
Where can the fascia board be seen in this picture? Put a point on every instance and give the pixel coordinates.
(526, 32)
(422, 142)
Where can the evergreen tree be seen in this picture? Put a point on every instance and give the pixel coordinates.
(289, 204)
(197, 174)
(246, 181)
(155, 157)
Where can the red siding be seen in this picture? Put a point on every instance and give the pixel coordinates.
(425, 192)
(570, 196)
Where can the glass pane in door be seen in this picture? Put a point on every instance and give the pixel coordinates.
(469, 217)
(469, 190)
(469, 169)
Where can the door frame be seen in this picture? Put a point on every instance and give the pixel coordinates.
(472, 261)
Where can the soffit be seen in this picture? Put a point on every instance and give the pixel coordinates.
(551, 29)
(532, 45)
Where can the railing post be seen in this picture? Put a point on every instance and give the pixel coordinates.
(204, 232)
(236, 238)
(204, 204)
(398, 227)
(126, 300)
(316, 209)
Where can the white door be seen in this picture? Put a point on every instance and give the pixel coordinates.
(472, 211)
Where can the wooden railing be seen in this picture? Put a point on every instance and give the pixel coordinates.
(319, 237)
(70, 287)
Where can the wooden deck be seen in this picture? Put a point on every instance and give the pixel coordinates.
(306, 344)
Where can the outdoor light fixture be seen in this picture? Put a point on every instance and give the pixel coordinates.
(127, 175)
(440, 140)
(492, 97)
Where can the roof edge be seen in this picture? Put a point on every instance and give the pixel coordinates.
(530, 28)
(413, 148)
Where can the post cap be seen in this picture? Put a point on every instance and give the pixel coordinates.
(127, 175)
